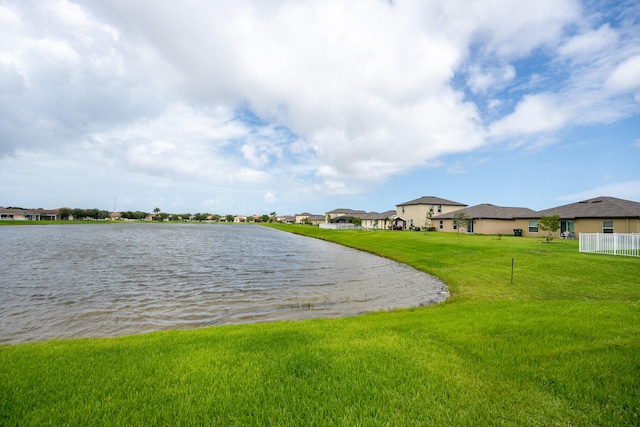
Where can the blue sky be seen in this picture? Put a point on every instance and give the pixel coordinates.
(251, 107)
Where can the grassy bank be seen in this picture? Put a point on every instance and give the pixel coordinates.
(558, 347)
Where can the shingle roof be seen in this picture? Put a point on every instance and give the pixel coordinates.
(431, 200)
(379, 216)
(346, 211)
(489, 211)
(598, 207)
(12, 211)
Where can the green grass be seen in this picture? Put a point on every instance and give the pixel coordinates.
(561, 346)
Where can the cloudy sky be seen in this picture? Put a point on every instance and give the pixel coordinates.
(250, 107)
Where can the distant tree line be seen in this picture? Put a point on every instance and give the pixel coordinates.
(158, 215)
(139, 215)
(84, 213)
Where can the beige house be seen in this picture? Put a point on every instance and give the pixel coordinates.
(382, 221)
(286, 219)
(416, 212)
(12, 214)
(313, 219)
(29, 214)
(483, 219)
(597, 215)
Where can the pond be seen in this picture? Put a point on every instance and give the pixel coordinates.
(96, 280)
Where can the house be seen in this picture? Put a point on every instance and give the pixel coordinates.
(286, 219)
(416, 212)
(12, 214)
(382, 221)
(483, 219)
(42, 214)
(332, 216)
(597, 215)
(310, 218)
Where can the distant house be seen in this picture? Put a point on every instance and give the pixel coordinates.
(29, 214)
(286, 219)
(382, 221)
(597, 215)
(483, 219)
(42, 214)
(311, 218)
(240, 218)
(334, 215)
(416, 212)
(12, 214)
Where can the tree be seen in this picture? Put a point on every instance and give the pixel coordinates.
(427, 221)
(461, 219)
(357, 222)
(550, 224)
(65, 213)
(273, 217)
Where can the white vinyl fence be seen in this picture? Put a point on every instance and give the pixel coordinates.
(339, 226)
(613, 244)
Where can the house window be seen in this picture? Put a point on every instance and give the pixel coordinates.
(455, 224)
(431, 208)
(533, 226)
(439, 208)
(607, 226)
(411, 223)
(441, 224)
(403, 209)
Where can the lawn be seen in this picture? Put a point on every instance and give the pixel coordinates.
(559, 346)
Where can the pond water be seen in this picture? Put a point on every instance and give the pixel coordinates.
(61, 281)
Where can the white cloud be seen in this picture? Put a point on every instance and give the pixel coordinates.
(535, 114)
(496, 78)
(269, 197)
(629, 190)
(583, 46)
(508, 29)
(626, 77)
(319, 96)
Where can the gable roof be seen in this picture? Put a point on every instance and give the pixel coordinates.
(431, 200)
(598, 207)
(346, 211)
(378, 216)
(12, 211)
(489, 211)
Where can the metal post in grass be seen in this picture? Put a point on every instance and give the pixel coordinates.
(513, 262)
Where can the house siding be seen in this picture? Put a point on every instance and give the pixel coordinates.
(494, 226)
(585, 225)
(418, 213)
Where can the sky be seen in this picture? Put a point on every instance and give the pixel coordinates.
(252, 107)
